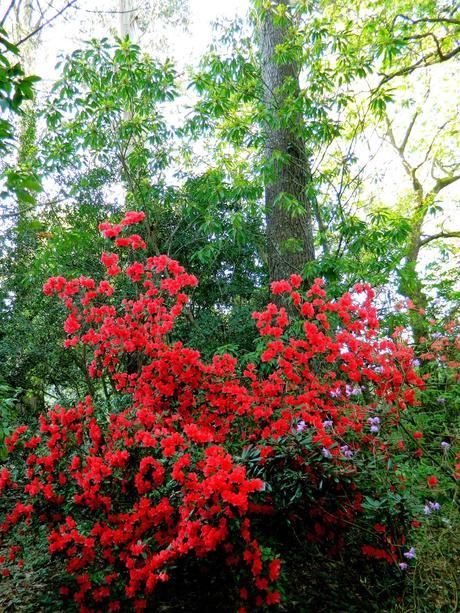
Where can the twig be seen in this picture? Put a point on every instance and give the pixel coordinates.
(45, 23)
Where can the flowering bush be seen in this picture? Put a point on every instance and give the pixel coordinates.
(201, 451)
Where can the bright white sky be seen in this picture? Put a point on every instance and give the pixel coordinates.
(184, 46)
(204, 12)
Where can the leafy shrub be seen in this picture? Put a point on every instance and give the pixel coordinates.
(192, 460)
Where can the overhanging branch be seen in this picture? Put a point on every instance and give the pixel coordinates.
(433, 237)
(444, 182)
(427, 60)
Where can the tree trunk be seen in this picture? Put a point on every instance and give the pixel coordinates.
(127, 14)
(411, 286)
(288, 209)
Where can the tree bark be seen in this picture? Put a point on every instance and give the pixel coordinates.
(127, 15)
(287, 206)
(410, 284)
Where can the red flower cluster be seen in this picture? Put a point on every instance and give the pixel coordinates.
(165, 478)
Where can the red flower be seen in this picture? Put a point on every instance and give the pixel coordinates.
(274, 569)
(296, 280)
(280, 287)
(273, 598)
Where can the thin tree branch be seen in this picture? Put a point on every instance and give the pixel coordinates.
(7, 12)
(430, 147)
(425, 20)
(427, 60)
(45, 23)
(408, 131)
(427, 35)
(410, 170)
(444, 182)
(428, 239)
(108, 12)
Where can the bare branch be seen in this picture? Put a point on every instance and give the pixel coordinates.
(408, 131)
(47, 22)
(7, 12)
(444, 182)
(427, 35)
(431, 145)
(108, 12)
(428, 239)
(410, 170)
(426, 20)
(427, 60)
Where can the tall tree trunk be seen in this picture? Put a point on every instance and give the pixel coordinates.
(410, 283)
(127, 14)
(288, 208)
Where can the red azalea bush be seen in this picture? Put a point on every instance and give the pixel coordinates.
(199, 452)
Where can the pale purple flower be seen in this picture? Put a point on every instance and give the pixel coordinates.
(427, 509)
(434, 506)
(327, 423)
(301, 426)
(335, 393)
(445, 445)
(441, 400)
(403, 566)
(416, 362)
(346, 451)
(352, 391)
(410, 555)
(374, 423)
(326, 453)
